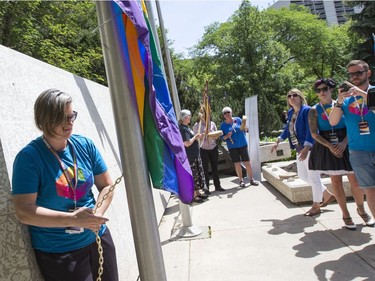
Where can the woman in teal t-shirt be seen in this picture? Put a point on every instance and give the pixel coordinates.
(52, 185)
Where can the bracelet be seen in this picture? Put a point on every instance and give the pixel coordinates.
(337, 104)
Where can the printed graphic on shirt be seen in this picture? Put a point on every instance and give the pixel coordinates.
(85, 181)
(355, 107)
(326, 114)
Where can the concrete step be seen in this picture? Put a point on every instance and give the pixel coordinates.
(292, 187)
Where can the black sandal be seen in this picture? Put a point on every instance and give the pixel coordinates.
(349, 224)
(310, 213)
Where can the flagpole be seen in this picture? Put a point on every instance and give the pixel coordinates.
(187, 229)
(155, 31)
(138, 188)
(174, 93)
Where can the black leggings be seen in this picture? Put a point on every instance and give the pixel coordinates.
(80, 265)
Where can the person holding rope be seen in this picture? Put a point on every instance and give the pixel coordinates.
(52, 185)
(191, 144)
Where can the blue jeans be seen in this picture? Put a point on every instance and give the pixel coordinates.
(363, 163)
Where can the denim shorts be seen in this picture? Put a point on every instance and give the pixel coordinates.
(363, 163)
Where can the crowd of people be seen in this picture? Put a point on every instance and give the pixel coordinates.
(202, 149)
(53, 178)
(335, 138)
(54, 174)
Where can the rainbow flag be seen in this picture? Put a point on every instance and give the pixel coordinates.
(166, 157)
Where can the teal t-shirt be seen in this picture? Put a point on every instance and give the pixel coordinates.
(352, 108)
(323, 117)
(37, 170)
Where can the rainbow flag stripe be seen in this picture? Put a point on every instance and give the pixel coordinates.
(166, 157)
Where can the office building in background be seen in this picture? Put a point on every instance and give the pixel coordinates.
(334, 12)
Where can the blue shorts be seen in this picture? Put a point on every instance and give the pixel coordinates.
(363, 163)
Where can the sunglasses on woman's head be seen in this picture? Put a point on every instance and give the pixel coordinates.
(292, 95)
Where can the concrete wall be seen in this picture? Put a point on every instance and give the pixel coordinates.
(22, 80)
(283, 151)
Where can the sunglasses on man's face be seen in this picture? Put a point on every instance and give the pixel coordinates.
(357, 73)
(292, 96)
(226, 112)
(318, 90)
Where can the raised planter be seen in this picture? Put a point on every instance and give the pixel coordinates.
(292, 187)
(282, 152)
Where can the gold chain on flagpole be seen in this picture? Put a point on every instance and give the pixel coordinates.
(98, 239)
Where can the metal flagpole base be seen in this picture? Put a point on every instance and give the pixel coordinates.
(189, 231)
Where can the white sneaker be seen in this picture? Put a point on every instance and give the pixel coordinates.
(366, 218)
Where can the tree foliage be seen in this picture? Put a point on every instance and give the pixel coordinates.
(266, 53)
(263, 53)
(57, 32)
(364, 27)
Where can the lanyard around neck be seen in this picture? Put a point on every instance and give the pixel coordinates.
(360, 106)
(325, 112)
(65, 169)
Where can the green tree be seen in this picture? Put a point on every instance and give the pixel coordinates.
(364, 26)
(266, 53)
(57, 32)
(319, 49)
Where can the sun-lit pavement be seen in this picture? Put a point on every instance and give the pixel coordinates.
(255, 233)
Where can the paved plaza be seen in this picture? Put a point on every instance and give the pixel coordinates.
(255, 233)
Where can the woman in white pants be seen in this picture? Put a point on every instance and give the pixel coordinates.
(298, 132)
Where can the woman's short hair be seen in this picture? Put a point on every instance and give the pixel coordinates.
(184, 113)
(50, 110)
(226, 109)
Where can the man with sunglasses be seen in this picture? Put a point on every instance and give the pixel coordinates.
(360, 124)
